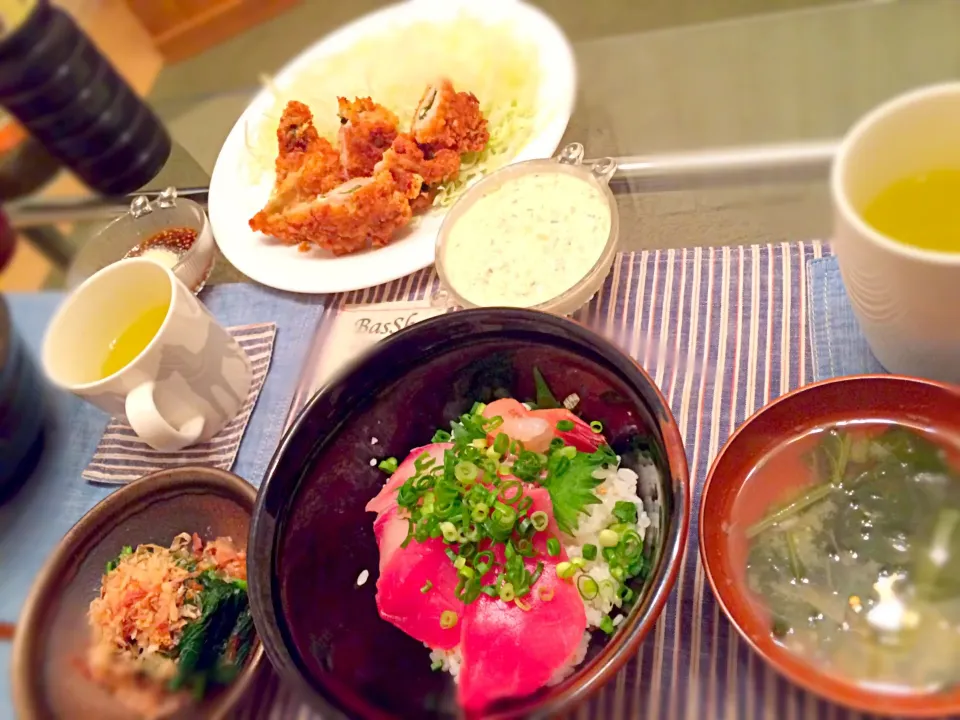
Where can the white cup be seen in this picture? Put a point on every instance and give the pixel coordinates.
(183, 388)
(906, 299)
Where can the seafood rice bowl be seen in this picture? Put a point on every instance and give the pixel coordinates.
(508, 541)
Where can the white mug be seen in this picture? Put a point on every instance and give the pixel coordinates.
(186, 384)
(906, 299)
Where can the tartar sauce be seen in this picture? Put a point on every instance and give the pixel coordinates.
(528, 241)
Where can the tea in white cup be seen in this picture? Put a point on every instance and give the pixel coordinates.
(134, 341)
(900, 267)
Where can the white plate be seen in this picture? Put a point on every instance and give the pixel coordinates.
(234, 200)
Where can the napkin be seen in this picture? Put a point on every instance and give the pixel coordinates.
(838, 347)
(122, 457)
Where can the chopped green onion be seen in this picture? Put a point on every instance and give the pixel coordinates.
(556, 444)
(480, 512)
(489, 590)
(596, 426)
(610, 554)
(389, 466)
(578, 562)
(565, 570)
(451, 554)
(436, 665)
(441, 436)
(525, 547)
(590, 551)
(448, 618)
(625, 511)
(536, 573)
(506, 592)
(630, 546)
(465, 472)
(606, 624)
(502, 443)
(511, 492)
(525, 504)
(479, 443)
(608, 538)
(617, 573)
(478, 408)
(427, 586)
(540, 520)
(568, 451)
(450, 532)
(565, 425)
(553, 547)
(493, 423)
(588, 587)
(466, 572)
(503, 516)
(484, 561)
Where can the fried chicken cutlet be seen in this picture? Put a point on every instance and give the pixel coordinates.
(405, 159)
(449, 120)
(306, 162)
(366, 131)
(359, 213)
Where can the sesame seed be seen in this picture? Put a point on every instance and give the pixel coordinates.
(362, 577)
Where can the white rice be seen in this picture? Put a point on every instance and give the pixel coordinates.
(618, 485)
(450, 660)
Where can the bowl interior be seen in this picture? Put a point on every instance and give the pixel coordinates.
(723, 544)
(53, 634)
(312, 537)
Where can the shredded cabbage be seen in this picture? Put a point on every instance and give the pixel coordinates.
(489, 60)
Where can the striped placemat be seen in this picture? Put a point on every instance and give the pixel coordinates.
(122, 457)
(722, 331)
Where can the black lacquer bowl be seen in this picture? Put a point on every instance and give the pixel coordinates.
(311, 539)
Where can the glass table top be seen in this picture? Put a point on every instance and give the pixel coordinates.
(723, 115)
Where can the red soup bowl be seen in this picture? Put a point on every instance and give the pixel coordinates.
(723, 541)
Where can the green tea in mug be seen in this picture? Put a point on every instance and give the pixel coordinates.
(133, 339)
(922, 210)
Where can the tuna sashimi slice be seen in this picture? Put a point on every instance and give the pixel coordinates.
(387, 496)
(401, 602)
(391, 530)
(510, 652)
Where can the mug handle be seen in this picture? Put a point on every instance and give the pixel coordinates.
(153, 428)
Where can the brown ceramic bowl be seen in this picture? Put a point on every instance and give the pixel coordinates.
(311, 536)
(52, 632)
(723, 545)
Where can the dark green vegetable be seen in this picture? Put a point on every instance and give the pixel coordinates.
(213, 648)
(571, 483)
(112, 564)
(625, 511)
(545, 398)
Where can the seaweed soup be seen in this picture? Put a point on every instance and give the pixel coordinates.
(859, 569)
